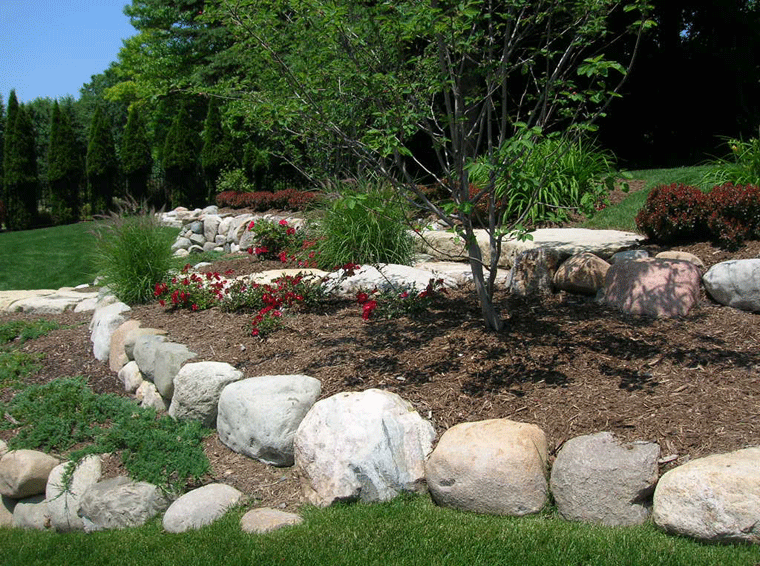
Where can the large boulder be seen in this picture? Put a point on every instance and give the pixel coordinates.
(24, 473)
(716, 498)
(383, 276)
(105, 321)
(200, 507)
(735, 283)
(495, 466)
(533, 271)
(32, 513)
(367, 446)
(598, 479)
(197, 388)
(160, 361)
(654, 287)
(583, 273)
(119, 502)
(117, 357)
(259, 416)
(64, 498)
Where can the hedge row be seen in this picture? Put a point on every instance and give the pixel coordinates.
(729, 214)
(261, 201)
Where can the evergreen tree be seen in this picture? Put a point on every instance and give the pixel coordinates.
(2, 144)
(136, 160)
(102, 167)
(180, 162)
(20, 183)
(64, 168)
(217, 151)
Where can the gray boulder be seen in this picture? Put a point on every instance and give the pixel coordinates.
(259, 416)
(148, 396)
(210, 226)
(32, 513)
(597, 479)
(197, 388)
(160, 361)
(735, 283)
(628, 255)
(119, 502)
(495, 466)
(716, 498)
(63, 501)
(368, 446)
(200, 507)
(105, 321)
(130, 377)
(24, 473)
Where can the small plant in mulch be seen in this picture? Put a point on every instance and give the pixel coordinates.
(58, 415)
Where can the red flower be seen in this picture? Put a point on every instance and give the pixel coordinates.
(255, 332)
(284, 257)
(362, 298)
(290, 231)
(194, 307)
(252, 224)
(367, 309)
(283, 222)
(162, 303)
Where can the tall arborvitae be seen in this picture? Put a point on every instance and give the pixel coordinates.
(180, 162)
(2, 145)
(64, 168)
(102, 167)
(217, 151)
(136, 160)
(20, 183)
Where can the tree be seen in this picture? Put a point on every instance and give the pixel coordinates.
(20, 180)
(217, 151)
(136, 160)
(102, 166)
(482, 79)
(64, 168)
(180, 161)
(667, 119)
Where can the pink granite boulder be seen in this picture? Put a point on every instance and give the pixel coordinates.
(655, 287)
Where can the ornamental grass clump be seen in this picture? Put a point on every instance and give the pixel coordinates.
(133, 253)
(740, 167)
(363, 223)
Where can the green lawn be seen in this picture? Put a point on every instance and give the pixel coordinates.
(406, 531)
(47, 258)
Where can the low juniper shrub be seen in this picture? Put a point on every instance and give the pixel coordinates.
(674, 213)
(734, 214)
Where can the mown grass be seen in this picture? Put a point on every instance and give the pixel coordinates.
(47, 258)
(406, 531)
(622, 216)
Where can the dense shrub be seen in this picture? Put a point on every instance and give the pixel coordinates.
(673, 212)
(734, 214)
(2, 212)
(261, 201)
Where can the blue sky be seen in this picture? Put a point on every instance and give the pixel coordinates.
(50, 48)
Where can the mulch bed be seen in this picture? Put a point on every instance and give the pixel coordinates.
(564, 363)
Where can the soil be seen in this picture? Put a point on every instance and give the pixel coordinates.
(564, 363)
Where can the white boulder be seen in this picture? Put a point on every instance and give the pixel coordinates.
(200, 507)
(258, 417)
(367, 446)
(735, 283)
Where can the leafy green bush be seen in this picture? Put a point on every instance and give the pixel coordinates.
(20, 331)
(365, 223)
(740, 167)
(567, 175)
(65, 412)
(234, 180)
(133, 253)
(673, 212)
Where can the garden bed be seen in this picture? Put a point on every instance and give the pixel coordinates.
(564, 363)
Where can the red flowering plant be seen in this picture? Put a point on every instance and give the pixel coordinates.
(269, 301)
(275, 240)
(190, 290)
(395, 301)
